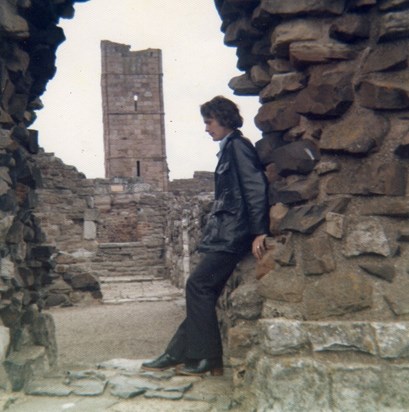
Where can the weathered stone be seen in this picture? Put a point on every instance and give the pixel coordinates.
(44, 333)
(350, 28)
(4, 342)
(308, 53)
(365, 179)
(282, 336)
(246, 302)
(356, 387)
(296, 133)
(395, 395)
(335, 224)
(394, 25)
(324, 167)
(342, 336)
(283, 249)
(382, 271)
(305, 219)
(21, 366)
(397, 297)
(392, 339)
(243, 86)
(297, 157)
(352, 135)
(281, 84)
(328, 94)
(240, 339)
(294, 189)
(266, 146)
(174, 396)
(317, 256)
(90, 230)
(87, 387)
(47, 387)
(283, 285)
(390, 56)
(276, 116)
(240, 31)
(259, 75)
(57, 299)
(11, 24)
(293, 31)
(294, 7)
(277, 213)
(386, 5)
(367, 236)
(137, 383)
(384, 91)
(278, 65)
(84, 281)
(308, 380)
(337, 294)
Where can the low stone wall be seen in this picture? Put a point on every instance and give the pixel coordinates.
(326, 366)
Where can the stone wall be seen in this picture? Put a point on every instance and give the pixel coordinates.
(29, 37)
(330, 76)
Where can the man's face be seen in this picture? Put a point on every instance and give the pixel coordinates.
(215, 130)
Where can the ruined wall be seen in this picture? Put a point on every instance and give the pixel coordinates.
(331, 79)
(29, 37)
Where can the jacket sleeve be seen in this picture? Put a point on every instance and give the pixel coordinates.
(253, 184)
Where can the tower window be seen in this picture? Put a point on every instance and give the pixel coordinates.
(135, 102)
(138, 168)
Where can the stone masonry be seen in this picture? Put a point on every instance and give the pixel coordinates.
(325, 325)
(133, 114)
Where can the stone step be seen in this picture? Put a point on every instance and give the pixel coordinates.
(129, 279)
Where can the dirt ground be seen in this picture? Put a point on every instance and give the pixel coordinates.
(138, 330)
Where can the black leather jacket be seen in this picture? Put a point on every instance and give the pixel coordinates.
(240, 209)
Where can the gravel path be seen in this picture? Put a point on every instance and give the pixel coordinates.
(136, 330)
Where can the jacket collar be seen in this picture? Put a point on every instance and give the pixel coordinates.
(226, 139)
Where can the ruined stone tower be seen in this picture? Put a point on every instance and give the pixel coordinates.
(133, 114)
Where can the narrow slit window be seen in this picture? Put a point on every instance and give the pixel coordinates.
(135, 102)
(138, 168)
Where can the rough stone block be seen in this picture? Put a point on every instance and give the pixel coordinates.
(317, 255)
(335, 224)
(282, 284)
(280, 336)
(240, 340)
(23, 365)
(337, 294)
(356, 387)
(367, 236)
(90, 230)
(342, 336)
(246, 303)
(395, 394)
(351, 133)
(392, 339)
(292, 385)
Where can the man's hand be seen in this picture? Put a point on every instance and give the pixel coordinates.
(259, 247)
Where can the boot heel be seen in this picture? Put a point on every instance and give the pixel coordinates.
(216, 372)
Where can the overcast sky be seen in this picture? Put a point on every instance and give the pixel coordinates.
(196, 65)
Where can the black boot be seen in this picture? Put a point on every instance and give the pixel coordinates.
(202, 366)
(161, 363)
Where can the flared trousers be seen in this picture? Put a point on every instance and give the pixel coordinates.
(198, 336)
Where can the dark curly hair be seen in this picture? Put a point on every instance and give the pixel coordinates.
(224, 111)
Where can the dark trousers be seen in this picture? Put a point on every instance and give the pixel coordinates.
(198, 336)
